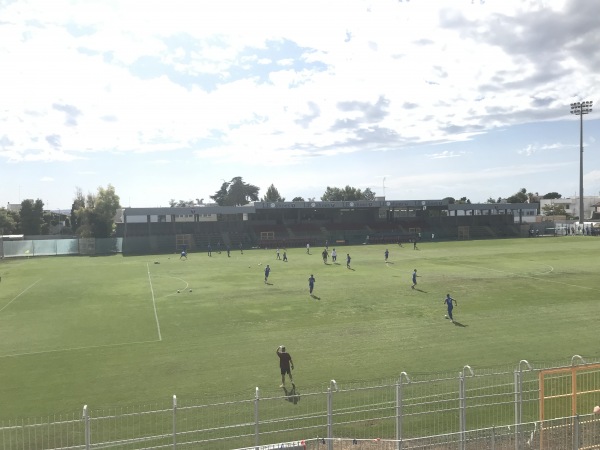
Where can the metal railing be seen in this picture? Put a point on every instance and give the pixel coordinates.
(472, 409)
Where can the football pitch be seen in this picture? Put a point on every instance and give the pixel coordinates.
(117, 331)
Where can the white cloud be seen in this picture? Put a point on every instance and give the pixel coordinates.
(446, 154)
(262, 82)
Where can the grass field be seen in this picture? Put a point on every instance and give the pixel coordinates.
(108, 331)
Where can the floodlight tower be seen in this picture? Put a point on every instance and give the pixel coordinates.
(579, 109)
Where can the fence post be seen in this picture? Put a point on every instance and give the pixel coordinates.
(576, 432)
(462, 397)
(256, 418)
(332, 385)
(86, 425)
(174, 421)
(519, 403)
(399, 410)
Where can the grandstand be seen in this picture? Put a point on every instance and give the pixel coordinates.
(295, 224)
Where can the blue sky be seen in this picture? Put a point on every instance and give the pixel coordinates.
(419, 99)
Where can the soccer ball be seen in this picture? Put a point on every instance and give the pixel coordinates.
(178, 291)
(190, 290)
(446, 316)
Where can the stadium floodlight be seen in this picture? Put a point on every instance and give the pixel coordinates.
(579, 109)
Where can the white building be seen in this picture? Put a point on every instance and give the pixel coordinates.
(571, 205)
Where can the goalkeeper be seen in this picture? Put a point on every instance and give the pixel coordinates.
(285, 364)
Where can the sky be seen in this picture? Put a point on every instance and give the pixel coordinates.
(419, 99)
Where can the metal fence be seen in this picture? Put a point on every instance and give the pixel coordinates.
(530, 406)
(56, 247)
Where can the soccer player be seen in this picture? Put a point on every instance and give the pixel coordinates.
(348, 259)
(415, 244)
(267, 272)
(386, 254)
(324, 255)
(228, 251)
(448, 301)
(183, 254)
(311, 284)
(209, 249)
(277, 252)
(285, 364)
(241, 248)
(333, 255)
(414, 278)
(308, 248)
(284, 256)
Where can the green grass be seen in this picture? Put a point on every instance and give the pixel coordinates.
(83, 330)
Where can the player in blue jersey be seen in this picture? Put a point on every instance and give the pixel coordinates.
(414, 278)
(267, 272)
(386, 254)
(183, 254)
(450, 303)
(311, 284)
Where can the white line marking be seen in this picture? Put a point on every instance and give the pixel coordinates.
(176, 278)
(546, 272)
(14, 355)
(21, 293)
(154, 303)
(534, 278)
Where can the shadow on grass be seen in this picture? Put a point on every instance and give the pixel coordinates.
(458, 324)
(315, 297)
(292, 395)
(420, 290)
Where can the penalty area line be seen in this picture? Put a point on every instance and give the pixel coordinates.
(532, 277)
(20, 293)
(154, 303)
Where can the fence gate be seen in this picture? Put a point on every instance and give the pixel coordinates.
(567, 391)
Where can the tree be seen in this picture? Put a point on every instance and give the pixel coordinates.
(185, 203)
(463, 201)
(451, 200)
(298, 199)
(272, 195)
(32, 216)
(368, 194)
(552, 195)
(236, 193)
(8, 223)
(554, 210)
(490, 200)
(78, 203)
(519, 197)
(333, 194)
(96, 218)
(220, 196)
